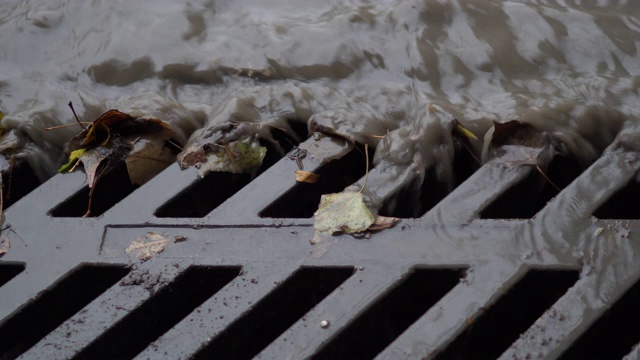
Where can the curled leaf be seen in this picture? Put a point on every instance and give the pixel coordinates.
(383, 222)
(306, 176)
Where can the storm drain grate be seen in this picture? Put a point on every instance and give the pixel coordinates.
(491, 270)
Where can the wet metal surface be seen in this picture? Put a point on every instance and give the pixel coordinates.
(395, 76)
(493, 254)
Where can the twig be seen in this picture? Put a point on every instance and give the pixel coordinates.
(76, 116)
(65, 125)
(549, 180)
(366, 175)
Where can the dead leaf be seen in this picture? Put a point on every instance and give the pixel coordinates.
(145, 145)
(147, 158)
(147, 246)
(306, 176)
(235, 157)
(383, 222)
(179, 238)
(343, 212)
(518, 143)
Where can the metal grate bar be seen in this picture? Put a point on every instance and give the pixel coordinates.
(243, 208)
(255, 281)
(573, 314)
(464, 204)
(307, 335)
(455, 311)
(113, 305)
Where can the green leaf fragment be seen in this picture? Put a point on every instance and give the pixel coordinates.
(73, 158)
(343, 212)
(235, 157)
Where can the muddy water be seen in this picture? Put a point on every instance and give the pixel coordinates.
(357, 68)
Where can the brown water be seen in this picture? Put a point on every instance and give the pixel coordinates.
(355, 68)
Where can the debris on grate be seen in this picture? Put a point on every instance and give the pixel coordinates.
(275, 313)
(53, 306)
(207, 193)
(489, 335)
(160, 313)
(114, 186)
(302, 200)
(391, 314)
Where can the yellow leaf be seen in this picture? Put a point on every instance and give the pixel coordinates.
(73, 158)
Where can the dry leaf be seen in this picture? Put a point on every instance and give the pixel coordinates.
(147, 246)
(306, 176)
(383, 222)
(343, 212)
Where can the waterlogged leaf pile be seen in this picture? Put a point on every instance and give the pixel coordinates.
(235, 157)
(230, 148)
(146, 146)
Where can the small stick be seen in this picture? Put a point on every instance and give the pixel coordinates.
(65, 125)
(366, 175)
(76, 116)
(549, 180)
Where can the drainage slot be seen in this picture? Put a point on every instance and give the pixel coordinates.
(34, 320)
(112, 187)
(203, 195)
(623, 204)
(18, 182)
(208, 193)
(160, 313)
(388, 317)
(499, 326)
(275, 313)
(614, 334)
(525, 199)
(411, 202)
(9, 270)
(302, 200)
(416, 199)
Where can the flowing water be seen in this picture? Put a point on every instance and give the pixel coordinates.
(362, 68)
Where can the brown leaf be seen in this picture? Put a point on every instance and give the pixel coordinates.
(306, 176)
(517, 143)
(383, 222)
(147, 146)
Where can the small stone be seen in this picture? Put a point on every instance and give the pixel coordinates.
(324, 324)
